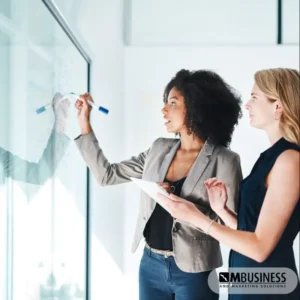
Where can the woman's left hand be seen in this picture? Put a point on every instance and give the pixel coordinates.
(179, 208)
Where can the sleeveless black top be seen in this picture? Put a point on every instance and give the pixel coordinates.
(252, 194)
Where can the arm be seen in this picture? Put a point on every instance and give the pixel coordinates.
(87, 143)
(273, 218)
(230, 173)
(36, 173)
(228, 217)
(105, 172)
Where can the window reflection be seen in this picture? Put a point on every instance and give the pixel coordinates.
(42, 177)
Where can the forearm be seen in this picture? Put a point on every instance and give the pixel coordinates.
(243, 242)
(229, 217)
(85, 128)
(107, 173)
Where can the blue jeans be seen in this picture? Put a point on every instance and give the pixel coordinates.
(161, 279)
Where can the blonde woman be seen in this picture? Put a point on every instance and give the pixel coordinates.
(262, 233)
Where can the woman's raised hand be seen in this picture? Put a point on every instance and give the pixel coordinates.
(84, 110)
(217, 194)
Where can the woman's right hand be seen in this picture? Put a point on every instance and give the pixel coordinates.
(84, 110)
(217, 194)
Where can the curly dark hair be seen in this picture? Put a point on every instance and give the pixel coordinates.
(213, 107)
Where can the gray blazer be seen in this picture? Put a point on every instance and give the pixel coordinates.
(194, 251)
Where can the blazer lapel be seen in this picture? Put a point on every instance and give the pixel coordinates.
(197, 169)
(167, 161)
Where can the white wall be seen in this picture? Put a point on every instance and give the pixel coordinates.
(194, 22)
(290, 18)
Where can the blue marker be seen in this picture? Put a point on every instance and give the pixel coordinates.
(42, 109)
(49, 105)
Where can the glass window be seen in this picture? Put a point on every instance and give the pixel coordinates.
(42, 176)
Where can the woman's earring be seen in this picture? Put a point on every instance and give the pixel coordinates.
(276, 116)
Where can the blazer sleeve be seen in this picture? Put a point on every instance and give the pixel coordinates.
(230, 172)
(107, 173)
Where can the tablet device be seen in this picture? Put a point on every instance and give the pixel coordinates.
(151, 188)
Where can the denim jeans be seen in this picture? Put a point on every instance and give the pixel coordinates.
(161, 279)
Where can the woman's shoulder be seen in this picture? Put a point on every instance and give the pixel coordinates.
(290, 145)
(225, 153)
(288, 159)
(165, 142)
(162, 145)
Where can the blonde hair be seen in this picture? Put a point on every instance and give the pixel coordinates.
(283, 85)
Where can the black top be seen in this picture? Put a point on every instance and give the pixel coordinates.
(252, 194)
(159, 227)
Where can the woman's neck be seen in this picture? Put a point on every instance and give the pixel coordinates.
(274, 135)
(190, 143)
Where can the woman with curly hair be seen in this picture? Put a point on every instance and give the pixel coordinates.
(203, 110)
(263, 232)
